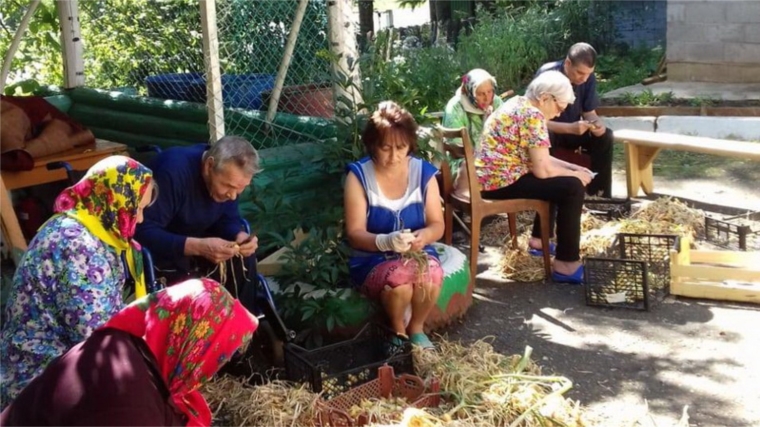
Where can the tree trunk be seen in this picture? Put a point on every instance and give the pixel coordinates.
(366, 22)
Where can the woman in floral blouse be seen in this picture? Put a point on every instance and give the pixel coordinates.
(70, 280)
(144, 367)
(513, 162)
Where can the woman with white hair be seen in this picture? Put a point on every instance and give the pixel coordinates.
(513, 162)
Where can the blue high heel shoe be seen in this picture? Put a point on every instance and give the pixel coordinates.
(540, 252)
(571, 279)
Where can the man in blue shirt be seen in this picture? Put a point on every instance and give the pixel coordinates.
(579, 126)
(195, 224)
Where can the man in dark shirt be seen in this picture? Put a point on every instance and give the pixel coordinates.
(579, 126)
(194, 224)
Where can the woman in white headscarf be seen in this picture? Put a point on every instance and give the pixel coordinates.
(471, 104)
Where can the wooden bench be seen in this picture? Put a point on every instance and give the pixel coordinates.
(642, 148)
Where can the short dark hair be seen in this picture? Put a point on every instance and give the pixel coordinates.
(389, 118)
(582, 53)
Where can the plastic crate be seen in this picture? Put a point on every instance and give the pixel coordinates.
(731, 235)
(336, 368)
(609, 209)
(337, 411)
(612, 282)
(654, 249)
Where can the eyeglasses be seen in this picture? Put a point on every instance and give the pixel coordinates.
(560, 109)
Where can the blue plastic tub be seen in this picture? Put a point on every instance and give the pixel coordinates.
(244, 90)
(180, 86)
(238, 90)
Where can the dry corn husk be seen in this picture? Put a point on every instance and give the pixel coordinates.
(277, 404)
(487, 388)
(662, 216)
(519, 265)
(667, 215)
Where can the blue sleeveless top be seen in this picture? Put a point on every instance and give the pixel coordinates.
(385, 215)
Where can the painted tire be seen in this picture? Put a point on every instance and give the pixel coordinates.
(456, 290)
(453, 302)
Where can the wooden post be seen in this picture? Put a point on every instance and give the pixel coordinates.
(342, 37)
(22, 26)
(10, 227)
(71, 43)
(214, 102)
(285, 63)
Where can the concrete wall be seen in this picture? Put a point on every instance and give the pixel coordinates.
(714, 41)
(640, 23)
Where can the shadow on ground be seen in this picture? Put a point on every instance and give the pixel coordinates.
(679, 353)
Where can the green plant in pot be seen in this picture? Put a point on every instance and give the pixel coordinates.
(314, 295)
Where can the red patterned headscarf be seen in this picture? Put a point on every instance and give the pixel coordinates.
(192, 328)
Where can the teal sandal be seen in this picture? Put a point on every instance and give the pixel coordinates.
(421, 340)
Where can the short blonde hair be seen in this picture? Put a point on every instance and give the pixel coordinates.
(552, 83)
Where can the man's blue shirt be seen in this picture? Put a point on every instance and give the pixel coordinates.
(184, 208)
(586, 98)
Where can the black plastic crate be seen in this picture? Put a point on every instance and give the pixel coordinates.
(731, 235)
(612, 282)
(336, 368)
(654, 249)
(609, 209)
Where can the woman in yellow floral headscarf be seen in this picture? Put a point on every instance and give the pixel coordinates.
(70, 280)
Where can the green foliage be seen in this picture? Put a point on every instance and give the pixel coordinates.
(23, 88)
(38, 57)
(128, 40)
(255, 34)
(647, 98)
(313, 281)
(124, 41)
(702, 101)
(415, 78)
(512, 48)
(614, 70)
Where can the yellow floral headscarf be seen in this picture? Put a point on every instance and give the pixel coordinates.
(106, 201)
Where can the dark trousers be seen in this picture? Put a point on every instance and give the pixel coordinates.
(241, 278)
(599, 148)
(566, 196)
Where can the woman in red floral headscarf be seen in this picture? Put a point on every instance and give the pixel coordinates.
(70, 280)
(144, 367)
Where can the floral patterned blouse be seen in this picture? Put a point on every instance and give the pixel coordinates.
(68, 284)
(509, 132)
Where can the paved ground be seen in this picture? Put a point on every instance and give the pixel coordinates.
(703, 354)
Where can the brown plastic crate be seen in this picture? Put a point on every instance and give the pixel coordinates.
(335, 412)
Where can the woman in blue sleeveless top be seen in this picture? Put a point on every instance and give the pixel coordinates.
(392, 207)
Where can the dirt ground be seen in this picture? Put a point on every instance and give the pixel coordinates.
(631, 365)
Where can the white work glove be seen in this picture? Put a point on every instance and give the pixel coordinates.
(398, 241)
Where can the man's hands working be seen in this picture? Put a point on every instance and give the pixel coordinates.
(219, 250)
